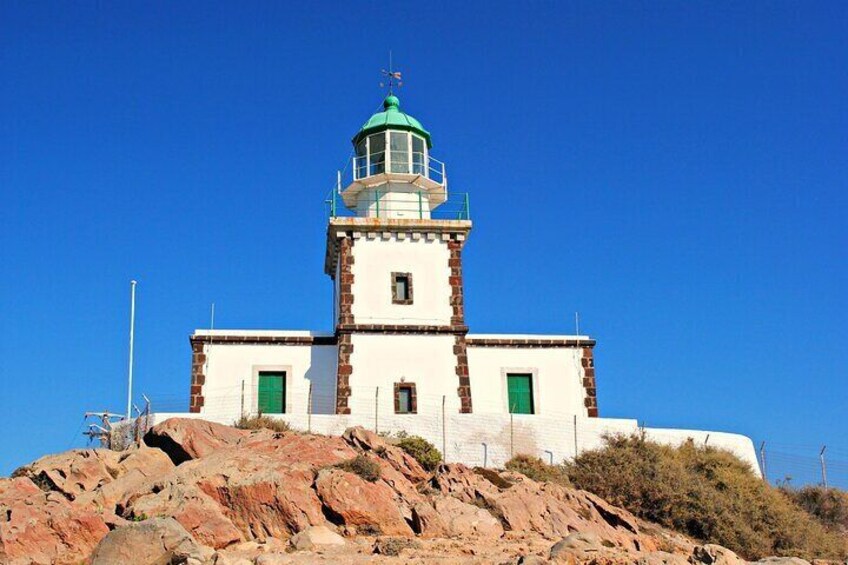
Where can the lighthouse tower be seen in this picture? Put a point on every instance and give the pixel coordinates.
(394, 252)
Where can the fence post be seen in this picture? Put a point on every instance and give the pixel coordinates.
(511, 437)
(576, 453)
(376, 408)
(763, 461)
(706, 440)
(444, 436)
(309, 410)
(485, 455)
(823, 467)
(241, 411)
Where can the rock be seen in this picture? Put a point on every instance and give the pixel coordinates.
(662, 558)
(464, 519)
(79, 472)
(583, 541)
(259, 488)
(356, 502)
(273, 559)
(184, 439)
(427, 522)
(44, 527)
(783, 561)
(152, 542)
(710, 554)
(314, 537)
(401, 461)
(201, 516)
(531, 560)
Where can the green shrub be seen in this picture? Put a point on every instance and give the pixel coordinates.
(536, 469)
(361, 465)
(262, 422)
(705, 493)
(421, 450)
(828, 505)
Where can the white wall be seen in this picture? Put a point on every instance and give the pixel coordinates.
(557, 378)
(490, 439)
(228, 365)
(376, 258)
(380, 361)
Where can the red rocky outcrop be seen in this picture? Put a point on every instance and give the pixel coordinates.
(44, 527)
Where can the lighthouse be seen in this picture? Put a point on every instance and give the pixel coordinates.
(396, 262)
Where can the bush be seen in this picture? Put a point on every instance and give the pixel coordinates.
(421, 450)
(536, 469)
(706, 493)
(829, 506)
(362, 466)
(262, 422)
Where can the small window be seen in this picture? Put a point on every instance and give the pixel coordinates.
(401, 288)
(405, 401)
(520, 393)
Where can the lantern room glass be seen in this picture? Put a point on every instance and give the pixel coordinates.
(407, 153)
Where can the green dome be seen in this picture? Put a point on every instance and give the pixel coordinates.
(392, 118)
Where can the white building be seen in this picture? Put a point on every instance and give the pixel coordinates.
(401, 356)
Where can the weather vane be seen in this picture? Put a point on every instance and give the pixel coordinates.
(391, 76)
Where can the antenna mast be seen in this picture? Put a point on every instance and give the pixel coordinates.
(132, 343)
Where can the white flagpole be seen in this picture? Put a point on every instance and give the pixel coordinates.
(132, 339)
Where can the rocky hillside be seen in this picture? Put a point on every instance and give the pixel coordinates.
(201, 493)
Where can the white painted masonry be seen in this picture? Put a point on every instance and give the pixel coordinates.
(377, 256)
(557, 376)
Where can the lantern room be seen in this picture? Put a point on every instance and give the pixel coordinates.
(393, 173)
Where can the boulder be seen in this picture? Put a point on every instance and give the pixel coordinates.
(44, 527)
(157, 541)
(315, 537)
(352, 501)
(463, 519)
(711, 554)
(184, 439)
(253, 490)
(427, 522)
(366, 440)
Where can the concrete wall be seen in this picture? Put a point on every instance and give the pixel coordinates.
(376, 258)
(557, 378)
(490, 439)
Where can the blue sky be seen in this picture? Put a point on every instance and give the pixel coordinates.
(676, 172)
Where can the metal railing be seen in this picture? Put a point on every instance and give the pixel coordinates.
(382, 204)
(402, 162)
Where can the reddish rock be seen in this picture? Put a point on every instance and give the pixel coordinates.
(356, 502)
(463, 519)
(43, 527)
(184, 439)
(153, 542)
(366, 440)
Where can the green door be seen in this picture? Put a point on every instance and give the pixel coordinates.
(520, 390)
(272, 392)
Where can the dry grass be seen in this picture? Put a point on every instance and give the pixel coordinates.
(829, 506)
(361, 465)
(261, 422)
(536, 469)
(706, 493)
